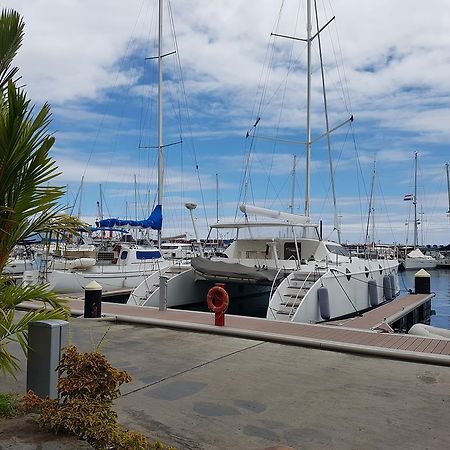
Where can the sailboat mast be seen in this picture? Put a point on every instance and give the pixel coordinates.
(370, 212)
(415, 201)
(294, 168)
(217, 206)
(308, 108)
(448, 188)
(81, 196)
(160, 112)
(101, 203)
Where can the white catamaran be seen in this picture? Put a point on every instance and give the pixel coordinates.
(308, 279)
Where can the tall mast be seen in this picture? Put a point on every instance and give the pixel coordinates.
(327, 123)
(135, 199)
(217, 197)
(81, 196)
(371, 208)
(294, 166)
(217, 206)
(160, 113)
(448, 188)
(308, 108)
(101, 204)
(415, 201)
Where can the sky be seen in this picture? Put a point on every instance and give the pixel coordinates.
(385, 63)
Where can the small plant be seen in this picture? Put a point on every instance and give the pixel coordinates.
(9, 405)
(87, 387)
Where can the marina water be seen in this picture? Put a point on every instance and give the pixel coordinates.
(440, 285)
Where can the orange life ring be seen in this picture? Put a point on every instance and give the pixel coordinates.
(217, 299)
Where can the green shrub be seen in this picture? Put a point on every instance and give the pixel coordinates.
(9, 405)
(87, 387)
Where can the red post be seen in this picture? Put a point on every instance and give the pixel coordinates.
(218, 300)
(219, 319)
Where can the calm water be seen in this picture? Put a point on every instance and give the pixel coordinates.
(440, 285)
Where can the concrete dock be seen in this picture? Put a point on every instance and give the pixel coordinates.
(199, 390)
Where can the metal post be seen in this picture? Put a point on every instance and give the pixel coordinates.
(46, 339)
(422, 282)
(93, 300)
(163, 293)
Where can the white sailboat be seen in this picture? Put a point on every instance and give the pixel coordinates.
(416, 259)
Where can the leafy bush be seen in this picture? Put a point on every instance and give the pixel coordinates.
(87, 387)
(9, 405)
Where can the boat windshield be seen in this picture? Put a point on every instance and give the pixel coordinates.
(338, 250)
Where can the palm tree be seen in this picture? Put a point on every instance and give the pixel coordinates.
(28, 203)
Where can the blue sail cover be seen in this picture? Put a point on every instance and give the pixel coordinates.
(154, 221)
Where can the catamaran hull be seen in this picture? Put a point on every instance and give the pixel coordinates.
(187, 289)
(335, 292)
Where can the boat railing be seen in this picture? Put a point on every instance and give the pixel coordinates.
(150, 285)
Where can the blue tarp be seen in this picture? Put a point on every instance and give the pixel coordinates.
(154, 221)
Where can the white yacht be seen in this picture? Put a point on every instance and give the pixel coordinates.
(415, 260)
(131, 265)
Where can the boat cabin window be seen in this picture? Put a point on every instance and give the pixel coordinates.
(148, 254)
(290, 251)
(338, 250)
(124, 255)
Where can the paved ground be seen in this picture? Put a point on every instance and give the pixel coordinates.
(203, 391)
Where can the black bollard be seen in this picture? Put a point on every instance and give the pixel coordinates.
(93, 300)
(422, 282)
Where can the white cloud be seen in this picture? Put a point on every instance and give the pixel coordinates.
(392, 57)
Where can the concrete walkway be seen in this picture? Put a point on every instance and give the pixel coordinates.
(203, 391)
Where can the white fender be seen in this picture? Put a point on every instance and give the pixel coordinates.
(420, 329)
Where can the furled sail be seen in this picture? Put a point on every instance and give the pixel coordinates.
(154, 221)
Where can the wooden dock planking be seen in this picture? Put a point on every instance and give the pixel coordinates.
(386, 313)
(396, 339)
(432, 346)
(363, 338)
(446, 349)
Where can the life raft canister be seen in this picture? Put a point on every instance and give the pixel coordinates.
(217, 299)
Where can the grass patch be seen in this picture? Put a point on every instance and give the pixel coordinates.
(9, 405)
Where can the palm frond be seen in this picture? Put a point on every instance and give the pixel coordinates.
(11, 32)
(11, 295)
(8, 362)
(28, 203)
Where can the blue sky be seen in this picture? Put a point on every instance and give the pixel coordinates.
(386, 62)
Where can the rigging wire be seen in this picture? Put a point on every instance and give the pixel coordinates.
(117, 128)
(263, 82)
(188, 115)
